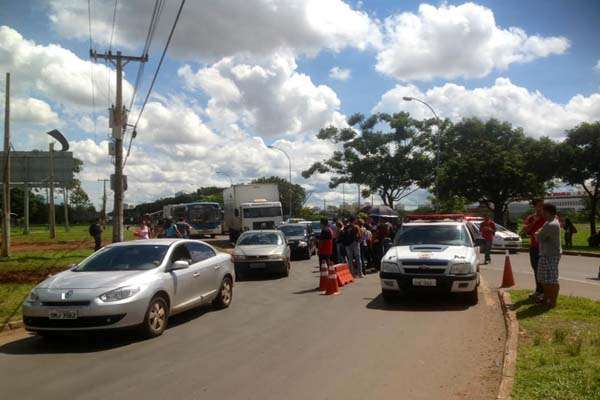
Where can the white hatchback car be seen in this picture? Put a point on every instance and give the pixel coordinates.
(432, 255)
(131, 284)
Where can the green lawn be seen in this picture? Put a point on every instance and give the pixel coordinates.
(11, 296)
(31, 260)
(579, 239)
(40, 233)
(559, 350)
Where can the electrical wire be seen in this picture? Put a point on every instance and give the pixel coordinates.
(162, 57)
(92, 68)
(112, 31)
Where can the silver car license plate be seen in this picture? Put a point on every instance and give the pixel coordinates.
(62, 314)
(424, 282)
(258, 265)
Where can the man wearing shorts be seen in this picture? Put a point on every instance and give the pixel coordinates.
(549, 239)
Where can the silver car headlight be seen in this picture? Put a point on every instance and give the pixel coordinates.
(461, 269)
(275, 256)
(238, 257)
(387, 266)
(119, 293)
(33, 297)
(302, 243)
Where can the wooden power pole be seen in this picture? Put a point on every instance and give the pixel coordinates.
(118, 123)
(6, 188)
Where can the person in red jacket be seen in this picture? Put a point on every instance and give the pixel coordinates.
(488, 230)
(531, 225)
(325, 244)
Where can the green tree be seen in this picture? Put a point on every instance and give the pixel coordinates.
(390, 163)
(298, 193)
(493, 163)
(580, 164)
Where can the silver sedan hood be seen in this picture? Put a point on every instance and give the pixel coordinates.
(89, 280)
(258, 250)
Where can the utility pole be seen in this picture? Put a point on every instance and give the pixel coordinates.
(66, 205)
(51, 210)
(6, 188)
(26, 209)
(103, 212)
(118, 122)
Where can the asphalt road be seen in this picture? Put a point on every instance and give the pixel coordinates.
(578, 275)
(280, 339)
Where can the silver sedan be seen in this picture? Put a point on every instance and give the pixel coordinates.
(131, 284)
(264, 250)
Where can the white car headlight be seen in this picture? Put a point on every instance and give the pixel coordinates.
(275, 256)
(33, 297)
(302, 243)
(239, 257)
(119, 293)
(462, 268)
(387, 266)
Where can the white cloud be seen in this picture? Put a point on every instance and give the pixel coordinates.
(341, 74)
(269, 97)
(531, 110)
(597, 67)
(57, 73)
(30, 110)
(456, 41)
(210, 30)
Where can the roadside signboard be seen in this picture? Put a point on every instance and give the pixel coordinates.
(32, 168)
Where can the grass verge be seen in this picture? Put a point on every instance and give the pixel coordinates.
(11, 296)
(559, 350)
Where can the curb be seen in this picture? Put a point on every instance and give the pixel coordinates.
(509, 365)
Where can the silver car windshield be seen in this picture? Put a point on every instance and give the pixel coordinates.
(447, 235)
(259, 238)
(292, 230)
(125, 258)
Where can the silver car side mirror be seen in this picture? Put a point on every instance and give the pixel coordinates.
(179, 264)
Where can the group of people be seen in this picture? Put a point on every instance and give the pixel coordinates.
(146, 230)
(359, 243)
(543, 228)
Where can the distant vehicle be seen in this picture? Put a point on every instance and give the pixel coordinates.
(315, 226)
(264, 250)
(251, 207)
(504, 239)
(131, 284)
(432, 253)
(294, 221)
(205, 218)
(300, 238)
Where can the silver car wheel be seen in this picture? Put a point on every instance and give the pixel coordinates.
(156, 319)
(226, 292)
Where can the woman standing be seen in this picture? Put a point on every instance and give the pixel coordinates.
(143, 232)
(570, 229)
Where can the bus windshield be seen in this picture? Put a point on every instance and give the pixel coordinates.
(204, 213)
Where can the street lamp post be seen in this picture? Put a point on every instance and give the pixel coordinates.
(290, 169)
(227, 175)
(438, 139)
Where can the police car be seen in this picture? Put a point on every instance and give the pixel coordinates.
(437, 252)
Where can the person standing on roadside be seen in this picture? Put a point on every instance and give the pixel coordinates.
(531, 225)
(363, 244)
(325, 244)
(170, 230)
(488, 230)
(95, 231)
(549, 239)
(335, 232)
(351, 240)
(143, 232)
(570, 230)
(184, 228)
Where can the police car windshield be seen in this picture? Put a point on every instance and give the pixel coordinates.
(446, 235)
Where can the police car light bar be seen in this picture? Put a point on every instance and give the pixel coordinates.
(435, 217)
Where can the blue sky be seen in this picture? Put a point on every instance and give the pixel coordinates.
(241, 76)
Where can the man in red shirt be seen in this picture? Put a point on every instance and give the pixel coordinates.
(531, 225)
(488, 230)
(325, 243)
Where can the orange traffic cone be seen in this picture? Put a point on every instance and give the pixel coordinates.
(324, 277)
(507, 279)
(332, 284)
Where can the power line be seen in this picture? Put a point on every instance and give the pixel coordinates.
(92, 68)
(112, 31)
(162, 57)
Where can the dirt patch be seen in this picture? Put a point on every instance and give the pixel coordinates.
(52, 245)
(28, 276)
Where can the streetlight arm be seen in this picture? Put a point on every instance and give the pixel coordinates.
(290, 168)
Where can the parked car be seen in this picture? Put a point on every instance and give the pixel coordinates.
(300, 238)
(138, 283)
(315, 226)
(504, 239)
(264, 250)
(433, 254)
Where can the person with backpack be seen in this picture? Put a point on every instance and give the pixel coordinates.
(351, 240)
(184, 228)
(170, 230)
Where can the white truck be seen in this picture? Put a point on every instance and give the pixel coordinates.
(251, 206)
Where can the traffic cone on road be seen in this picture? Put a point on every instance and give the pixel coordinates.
(332, 283)
(508, 279)
(324, 277)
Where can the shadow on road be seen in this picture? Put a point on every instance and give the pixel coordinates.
(85, 342)
(258, 276)
(420, 303)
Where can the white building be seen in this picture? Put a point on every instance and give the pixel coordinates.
(564, 201)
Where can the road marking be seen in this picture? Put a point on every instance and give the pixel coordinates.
(487, 294)
(531, 273)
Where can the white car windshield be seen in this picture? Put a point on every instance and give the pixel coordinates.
(292, 230)
(259, 238)
(125, 258)
(448, 235)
